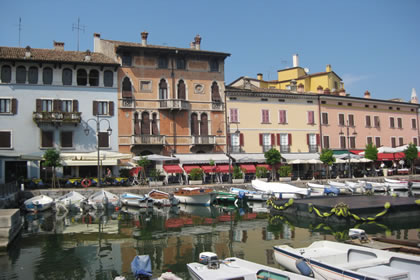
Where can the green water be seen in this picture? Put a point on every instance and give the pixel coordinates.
(101, 245)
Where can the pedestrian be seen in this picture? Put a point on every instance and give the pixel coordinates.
(108, 173)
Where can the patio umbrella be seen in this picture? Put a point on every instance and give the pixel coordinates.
(298, 162)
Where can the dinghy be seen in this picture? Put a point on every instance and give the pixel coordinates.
(161, 198)
(196, 196)
(344, 189)
(136, 200)
(281, 190)
(376, 186)
(323, 189)
(250, 195)
(38, 203)
(71, 200)
(334, 260)
(396, 185)
(103, 199)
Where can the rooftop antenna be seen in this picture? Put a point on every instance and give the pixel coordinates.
(78, 27)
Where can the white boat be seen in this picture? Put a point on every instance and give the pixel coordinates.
(71, 200)
(323, 189)
(334, 260)
(344, 189)
(396, 185)
(251, 195)
(415, 184)
(281, 190)
(103, 199)
(358, 187)
(161, 198)
(376, 186)
(210, 268)
(136, 200)
(197, 196)
(38, 203)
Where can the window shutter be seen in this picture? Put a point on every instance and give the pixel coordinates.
(47, 139)
(103, 139)
(66, 139)
(5, 139)
(57, 105)
(261, 139)
(290, 139)
(95, 108)
(111, 108)
(75, 106)
(307, 139)
(228, 139)
(241, 139)
(273, 139)
(317, 140)
(14, 106)
(38, 105)
(278, 139)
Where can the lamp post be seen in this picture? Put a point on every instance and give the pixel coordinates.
(98, 128)
(347, 126)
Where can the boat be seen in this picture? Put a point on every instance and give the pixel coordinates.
(251, 195)
(324, 189)
(281, 190)
(71, 201)
(334, 260)
(38, 203)
(376, 186)
(137, 200)
(358, 187)
(197, 196)
(161, 198)
(344, 189)
(210, 267)
(226, 197)
(103, 199)
(396, 185)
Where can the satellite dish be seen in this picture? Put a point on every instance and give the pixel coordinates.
(306, 70)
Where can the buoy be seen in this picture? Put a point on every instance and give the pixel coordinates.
(86, 182)
(304, 268)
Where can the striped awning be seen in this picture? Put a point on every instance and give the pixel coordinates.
(188, 168)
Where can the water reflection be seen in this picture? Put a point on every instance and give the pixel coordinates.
(101, 245)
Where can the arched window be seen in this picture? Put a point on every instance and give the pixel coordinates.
(33, 75)
(204, 125)
(163, 90)
(136, 124)
(145, 123)
(108, 78)
(94, 78)
(21, 75)
(6, 74)
(67, 77)
(215, 94)
(126, 88)
(155, 129)
(194, 124)
(47, 76)
(214, 65)
(181, 90)
(81, 77)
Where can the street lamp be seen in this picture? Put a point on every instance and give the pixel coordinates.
(98, 127)
(347, 126)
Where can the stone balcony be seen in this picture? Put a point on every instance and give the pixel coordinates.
(174, 104)
(203, 140)
(148, 140)
(57, 118)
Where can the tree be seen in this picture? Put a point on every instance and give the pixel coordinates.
(272, 157)
(144, 163)
(327, 157)
(371, 152)
(411, 154)
(52, 159)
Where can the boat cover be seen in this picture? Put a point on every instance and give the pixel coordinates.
(141, 265)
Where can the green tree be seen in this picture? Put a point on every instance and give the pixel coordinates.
(272, 157)
(371, 152)
(237, 173)
(52, 159)
(144, 163)
(284, 171)
(261, 172)
(327, 158)
(411, 154)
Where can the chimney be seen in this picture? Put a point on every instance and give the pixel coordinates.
(192, 45)
(300, 87)
(414, 98)
(88, 55)
(328, 68)
(295, 60)
(58, 46)
(144, 35)
(367, 94)
(259, 76)
(197, 42)
(96, 42)
(28, 52)
(320, 89)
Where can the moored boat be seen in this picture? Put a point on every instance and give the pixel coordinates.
(103, 199)
(281, 190)
(344, 189)
(38, 203)
(376, 186)
(323, 189)
(71, 200)
(197, 196)
(251, 195)
(396, 185)
(161, 198)
(136, 200)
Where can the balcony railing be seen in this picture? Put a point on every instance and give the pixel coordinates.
(127, 103)
(284, 149)
(235, 149)
(148, 140)
(203, 140)
(217, 106)
(174, 104)
(313, 148)
(266, 148)
(57, 117)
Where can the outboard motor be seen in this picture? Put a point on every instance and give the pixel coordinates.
(304, 268)
(356, 233)
(206, 257)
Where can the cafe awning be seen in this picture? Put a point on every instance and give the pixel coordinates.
(208, 168)
(175, 168)
(390, 156)
(248, 168)
(264, 165)
(188, 168)
(248, 158)
(224, 168)
(105, 162)
(302, 156)
(202, 158)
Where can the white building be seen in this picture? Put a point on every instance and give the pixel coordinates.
(46, 97)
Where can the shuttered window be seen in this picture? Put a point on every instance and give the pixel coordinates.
(340, 119)
(204, 126)
(282, 117)
(215, 94)
(47, 76)
(352, 142)
(326, 141)
(324, 118)
(399, 121)
(265, 116)
(369, 140)
(47, 139)
(21, 75)
(413, 123)
(415, 141)
(6, 74)
(145, 123)
(155, 129)
(342, 142)
(377, 122)
(163, 90)
(66, 139)
(391, 122)
(234, 116)
(368, 121)
(5, 139)
(108, 78)
(67, 77)
(103, 139)
(181, 90)
(400, 141)
(393, 142)
(351, 120)
(136, 124)
(311, 117)
(194, 124)
(377, 141)
(33, 75)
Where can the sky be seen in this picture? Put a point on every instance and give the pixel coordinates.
(372, 45)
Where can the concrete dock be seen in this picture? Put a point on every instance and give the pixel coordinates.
(10, 226)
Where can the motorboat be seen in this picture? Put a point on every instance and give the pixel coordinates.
(251, 195)
(197, 196)
(71, 200)
(281, 190)
(344, 189)
(210, 267)
(103, 199)
(334, 260)
(358, 187)
(141, 267)
(415, 184)
(161, 198)
(396, 185)
(136, 200)
(38, 203)
(323, 189)
(376, 186)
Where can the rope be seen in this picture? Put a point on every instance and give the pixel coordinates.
(342, 210)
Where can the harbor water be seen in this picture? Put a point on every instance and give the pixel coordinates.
(102, 244)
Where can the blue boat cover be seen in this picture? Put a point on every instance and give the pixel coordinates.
(141, 265)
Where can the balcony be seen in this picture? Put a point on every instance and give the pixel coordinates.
(235, 149)
(148, 140)
(217, 106)
(57, 118)
(266, 148)
(284, 149)
(203, 140)
(174, 104)
(313, 148)
(127, 103)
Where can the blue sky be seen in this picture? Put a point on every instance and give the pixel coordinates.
(372, 45)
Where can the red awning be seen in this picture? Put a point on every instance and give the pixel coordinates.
(356, 152)
(264, 165)
(390, 156)
(135, 171)
(188, 168)
(208, 168)
(223, 168)
(248, 168)
(173, 169)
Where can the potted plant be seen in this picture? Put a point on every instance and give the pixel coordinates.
(196, 176)
(261, 173)
(285, 173)
(156, 177)
(237, 175)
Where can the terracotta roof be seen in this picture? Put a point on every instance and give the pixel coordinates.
(50, 55)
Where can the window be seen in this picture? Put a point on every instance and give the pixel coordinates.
(145, 123)
(399, 121)
(103, 108)
(33, 75)
(163, 62)
(126, 88)
(352, 140)
(214, 65)
(351, 120)
(204, 125)
(94, 78)
(393, 142)
(415, 142)
(235, 141)
(103, 139)
(282, 117)
(326, 141)
(342, 142)
(163, 90)
(215, 94)
(155, 128)
(369, 140)
(66, 105)
(324, 118)
(108, 78)
(180, 63)
(6, 74)
(266, 140)
(8, 105)
(311, 117)
(284, 142)
(391, 122)
(377, 122)
(47, 76)
(81, 77)
(194, 124)
(146, 86)
(47, 139)
(377, 141)
(126, 59)
(66, 139)
(413, 123)
(368, 122)
(340, 119)
(21, 75)
(181, 90)
(234, 115)
(265, 116)
(67, 77)
(46, 105)
(5, 140)
(312, 141)
(400, 141)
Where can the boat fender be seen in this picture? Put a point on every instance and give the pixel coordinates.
(304, 268)
(86, 183)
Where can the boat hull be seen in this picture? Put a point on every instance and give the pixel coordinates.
(205, 199)
(38, 203)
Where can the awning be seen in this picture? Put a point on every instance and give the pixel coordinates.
(248, 168)
(108, 155)
(224, 168)
(202, 158)
(248, 158)
(173, 168)
(208, 168)
(106, 162)
(390, 156)
(264, 165)
(356, 152)
(302, 156)
(188, 168)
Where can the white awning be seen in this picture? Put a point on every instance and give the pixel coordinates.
(106, 162)
(105, 155)
(302, 156)
(244, 158)
(201, 158)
